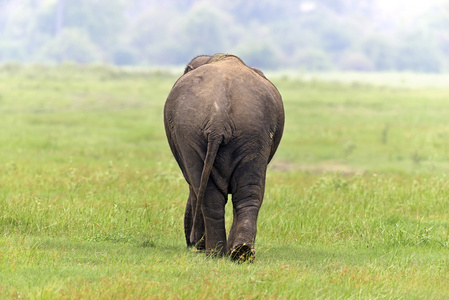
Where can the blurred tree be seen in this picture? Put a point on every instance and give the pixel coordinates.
(312, 59)
(11, 51)
(292, 36)
(124, 56)
(335, 38)
(102, 20)
(200, 38)
(103, 28)
(71, 45)
(332, 33)
(153, 36)
(260, 55)
(59, 17)
(418, 53)
(264, 11)
(313, 34)
(440, 25)
(380, 51)
(355, 61)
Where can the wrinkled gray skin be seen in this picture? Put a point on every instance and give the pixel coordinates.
(224, 121)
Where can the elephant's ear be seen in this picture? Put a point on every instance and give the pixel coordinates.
(188, 68)
(197, 62)
(258, 72)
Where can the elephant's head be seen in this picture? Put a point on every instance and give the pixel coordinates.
(196, 62)
(205, 59)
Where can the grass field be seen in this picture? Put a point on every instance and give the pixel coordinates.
(92, 202)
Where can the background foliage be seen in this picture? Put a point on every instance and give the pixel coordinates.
(312, 35)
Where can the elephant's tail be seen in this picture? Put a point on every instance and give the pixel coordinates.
(212, 148)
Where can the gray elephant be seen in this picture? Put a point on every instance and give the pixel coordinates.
(224, 121)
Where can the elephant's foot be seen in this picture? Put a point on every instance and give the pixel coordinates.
(201, 244)
(216, 251)
(243, 253)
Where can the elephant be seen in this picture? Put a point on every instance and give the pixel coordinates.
(224, 122)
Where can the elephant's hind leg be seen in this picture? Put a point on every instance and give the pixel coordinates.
(188, 223)
(247, 197)
(213, 209)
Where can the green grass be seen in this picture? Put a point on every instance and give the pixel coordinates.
(92, 202)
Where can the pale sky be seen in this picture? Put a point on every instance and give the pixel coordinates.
(406, 14)
(391, 8)
(407, 7)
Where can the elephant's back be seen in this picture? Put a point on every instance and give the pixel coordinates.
(226, 97)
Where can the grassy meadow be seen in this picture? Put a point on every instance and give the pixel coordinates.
(92, 202)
